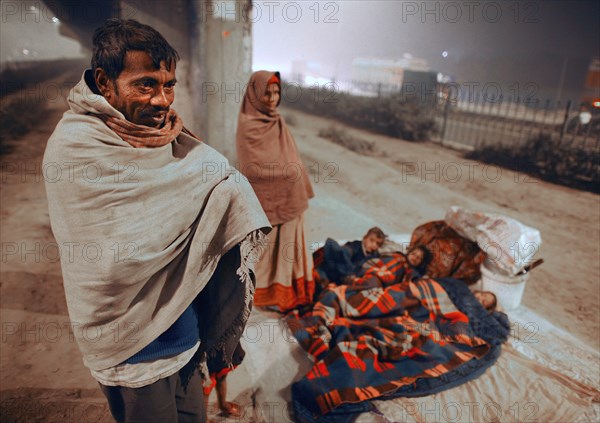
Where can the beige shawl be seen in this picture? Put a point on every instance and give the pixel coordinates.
(140, 229)
(269, 157)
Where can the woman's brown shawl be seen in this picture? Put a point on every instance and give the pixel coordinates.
(269, 157)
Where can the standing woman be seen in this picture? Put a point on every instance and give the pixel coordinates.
(269, 159)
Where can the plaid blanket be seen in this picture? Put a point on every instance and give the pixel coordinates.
(367, 344)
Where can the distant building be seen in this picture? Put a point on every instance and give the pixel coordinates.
(409, 75)
(420, 85)
(591, 89)
(377, 71)
(385, 71)
(305, 72)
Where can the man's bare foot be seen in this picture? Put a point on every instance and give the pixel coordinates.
(231, 409)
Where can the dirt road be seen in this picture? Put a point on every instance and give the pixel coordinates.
(404, 185)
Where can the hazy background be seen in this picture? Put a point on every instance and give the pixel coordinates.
(547, 43)
(29, 32)
(486, 41)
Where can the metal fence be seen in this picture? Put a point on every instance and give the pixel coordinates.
(478, 121)
(511, 122)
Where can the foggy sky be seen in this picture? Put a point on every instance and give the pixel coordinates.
(503, 41)
(31, 34)
(526, 42)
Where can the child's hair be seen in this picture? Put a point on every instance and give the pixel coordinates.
(377, 232)
(426, 254)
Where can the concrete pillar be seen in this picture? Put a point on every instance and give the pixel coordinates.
(221, 64)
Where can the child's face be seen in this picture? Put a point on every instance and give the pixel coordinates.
(485, 298)
(371, 243)
(415, 257)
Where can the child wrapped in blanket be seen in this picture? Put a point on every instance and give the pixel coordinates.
(388, 275)
(393, 268)
(413, 267)
(334, 263)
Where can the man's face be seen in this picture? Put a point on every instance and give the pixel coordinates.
(141, 92)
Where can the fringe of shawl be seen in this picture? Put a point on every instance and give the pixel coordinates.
(251, 248)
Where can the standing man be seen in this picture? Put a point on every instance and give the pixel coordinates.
(157, 232)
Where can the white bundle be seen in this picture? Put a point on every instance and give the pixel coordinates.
(509, 244)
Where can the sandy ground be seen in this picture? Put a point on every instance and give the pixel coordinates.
(42, 375)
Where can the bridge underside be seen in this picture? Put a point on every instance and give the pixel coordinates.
(80, 18)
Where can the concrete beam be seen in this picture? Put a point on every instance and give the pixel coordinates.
(78, 19)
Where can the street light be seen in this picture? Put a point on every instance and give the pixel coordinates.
(585, 117)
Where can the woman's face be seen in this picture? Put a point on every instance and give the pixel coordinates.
(271, 97)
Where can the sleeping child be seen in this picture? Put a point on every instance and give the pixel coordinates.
(487, 299)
